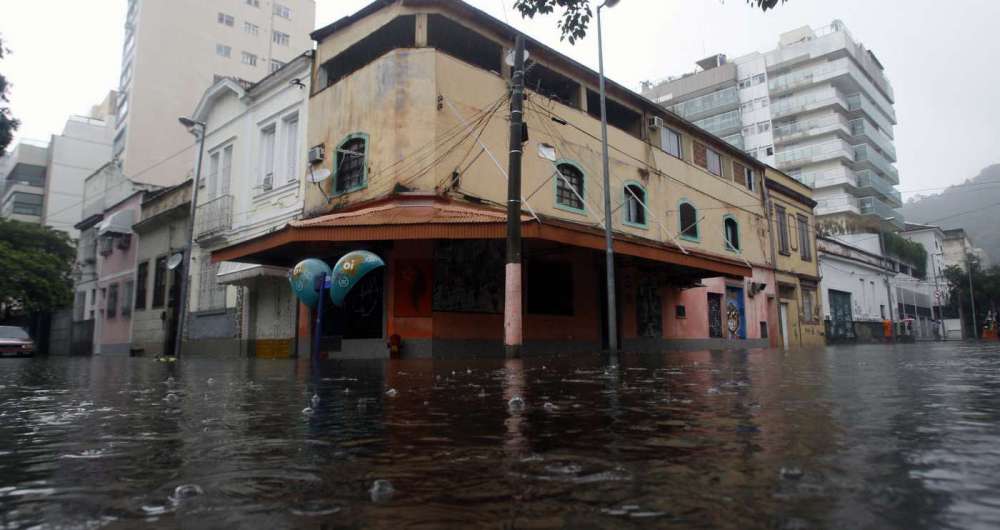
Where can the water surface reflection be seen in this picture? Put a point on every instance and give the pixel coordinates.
(860, 437)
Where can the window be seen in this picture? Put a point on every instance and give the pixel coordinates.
(223, 51)
(279, 38)
(569, 186)
(251, 28)
(744, 83)
(214, 161)
(635, 205)
(763, 102)
(670, 141)
(731, 231)
(291, 125)
(276, 65)
(352, 171)
(769, 150)
(267, 141)
(159, 281)
(211, 295)
(763, 127)
(111, 307)
(249, 59)
(747, 106)
(680, 311)
(141, 280)
(748, 130)
(688, 221)
(225, 19)
(779, 213)
(282, 11)
(714, 162)
(399, 33)
(743, 175)
(227, 169)
(793, 237)
(758, 79)
(127, 298)
(252, 3)
(122, 110)
(805, 248)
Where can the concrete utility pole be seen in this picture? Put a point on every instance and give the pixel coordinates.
(972, 296)
(512, 318)
(608, 227)
(198, 129)
(888, 286)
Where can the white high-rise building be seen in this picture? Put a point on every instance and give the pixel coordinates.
(818, 107)
(174, 50)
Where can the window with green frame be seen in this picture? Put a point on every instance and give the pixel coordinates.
(635, 205)
(569, 186)
(351, 165)
(731, 232)
(688, 221)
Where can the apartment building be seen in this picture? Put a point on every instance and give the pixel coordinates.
(25, 172)
(819, 107)
(407, 132)
(174, 50)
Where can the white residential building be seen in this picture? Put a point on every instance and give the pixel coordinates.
(252, 183)
(25, 170)
(174, 50)
(818, 107)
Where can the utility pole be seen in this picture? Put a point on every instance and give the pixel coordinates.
(888, 286)
(198, 129)
(512, 317)
(972, 296)
(608, 226)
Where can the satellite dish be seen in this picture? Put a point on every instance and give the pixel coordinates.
(175, 261)
(510, 57)
(318, 176)
(546, 151)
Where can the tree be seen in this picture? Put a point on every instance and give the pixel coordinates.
(7, 122)
(986, 289)
(35, 266)
(576, 14)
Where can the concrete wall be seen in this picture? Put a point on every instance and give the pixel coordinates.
(83, 146)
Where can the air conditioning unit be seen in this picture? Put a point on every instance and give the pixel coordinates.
(268, 182)
(654, 122)
(317, 154)
(124, 241)
(106, 245)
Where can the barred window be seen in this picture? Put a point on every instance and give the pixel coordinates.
(211, 295)
(351, 164)
(571, 180)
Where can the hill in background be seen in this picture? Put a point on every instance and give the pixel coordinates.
(973, 205)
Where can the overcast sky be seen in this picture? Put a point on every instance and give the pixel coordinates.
(941, 58)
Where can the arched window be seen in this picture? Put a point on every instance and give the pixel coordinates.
(569, 180)
(731, 231)
(351, 169)
(688, 221)
(635, 201)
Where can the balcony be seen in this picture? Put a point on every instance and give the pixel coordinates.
(864, 131)
(841, 176)
(793, 131)
(874, 207)
(722, 124)
(714, 103)
(867, 158)
(859, 106)
(869, 182)
(214, 218)
(832, 150)
(842, 73)
(735, 140)
(784, 107)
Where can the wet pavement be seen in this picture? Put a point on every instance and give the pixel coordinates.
(846, 437)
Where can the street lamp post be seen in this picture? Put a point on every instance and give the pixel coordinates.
(198, 129)
(608, 234)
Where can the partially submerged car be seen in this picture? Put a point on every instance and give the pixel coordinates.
(15, 341)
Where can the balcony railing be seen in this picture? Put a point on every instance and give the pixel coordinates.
(865, 155)
(843, 71)
(811, 127)
(735, 140)
(214, 217)
(826, 178)
(856, 103)
(870, 182)
(863, 129)
(699, 107)
(874, 207)
(799, 104)
(814, 153)
(722, 124)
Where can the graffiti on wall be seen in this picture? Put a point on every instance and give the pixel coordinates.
(649, 308)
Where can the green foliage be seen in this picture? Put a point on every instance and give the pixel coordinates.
(576, 14)
(986, 290)
(35, 266)
(7, 122)
(908, 251)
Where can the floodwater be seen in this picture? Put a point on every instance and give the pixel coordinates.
(847, 437)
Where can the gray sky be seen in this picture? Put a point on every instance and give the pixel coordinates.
(940, 60)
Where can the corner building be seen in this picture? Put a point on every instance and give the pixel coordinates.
(409, 106)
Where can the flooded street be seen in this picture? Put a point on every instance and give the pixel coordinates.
(846, 437)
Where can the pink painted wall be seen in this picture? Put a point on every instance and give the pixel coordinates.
(118, 267)
(695, 301)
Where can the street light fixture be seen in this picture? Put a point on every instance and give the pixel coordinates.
(608, 235)
(196, 128)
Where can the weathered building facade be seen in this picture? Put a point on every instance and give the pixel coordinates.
(407, 107)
